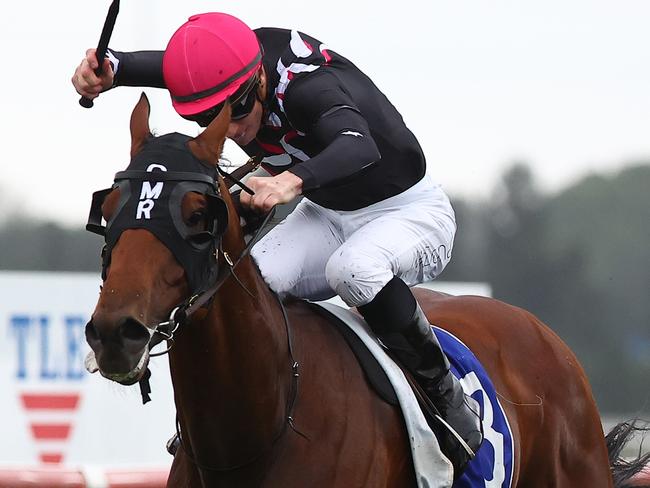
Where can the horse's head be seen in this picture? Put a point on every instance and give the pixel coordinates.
(164, 219)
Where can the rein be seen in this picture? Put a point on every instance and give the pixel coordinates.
(179, 314)
(182, 312)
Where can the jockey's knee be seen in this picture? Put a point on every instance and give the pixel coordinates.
(355, 277)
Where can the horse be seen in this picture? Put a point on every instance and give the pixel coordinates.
(267, 392)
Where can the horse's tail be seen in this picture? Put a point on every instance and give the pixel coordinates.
(626, 472)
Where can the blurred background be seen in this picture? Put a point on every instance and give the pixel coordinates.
(534, 116)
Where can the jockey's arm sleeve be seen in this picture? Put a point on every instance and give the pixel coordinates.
(320, 107)
(138, 68)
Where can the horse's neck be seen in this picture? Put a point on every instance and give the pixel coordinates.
(231, 370)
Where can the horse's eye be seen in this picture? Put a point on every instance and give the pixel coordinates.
(196, 218)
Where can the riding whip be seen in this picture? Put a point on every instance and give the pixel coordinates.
(100, 53)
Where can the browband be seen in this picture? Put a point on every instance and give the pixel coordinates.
(164, 176)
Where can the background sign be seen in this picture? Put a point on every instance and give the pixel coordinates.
(53, 411)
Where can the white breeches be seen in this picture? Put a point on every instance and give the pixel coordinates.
(316, 253)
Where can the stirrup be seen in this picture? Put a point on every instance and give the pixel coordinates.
(473, 406)
(470, 452)
(460, 450)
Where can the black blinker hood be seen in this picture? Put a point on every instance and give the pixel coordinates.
(151, 193)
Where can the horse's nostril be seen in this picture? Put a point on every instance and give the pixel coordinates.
(92, 336)
(134, 334)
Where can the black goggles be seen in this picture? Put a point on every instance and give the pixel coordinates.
(241, 102)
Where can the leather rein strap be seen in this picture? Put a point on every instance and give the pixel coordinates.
(180, 313)
(235, 177)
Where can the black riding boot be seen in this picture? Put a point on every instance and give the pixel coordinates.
(431, 368)
(400, 323)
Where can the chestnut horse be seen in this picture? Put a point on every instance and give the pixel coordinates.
(267, 392)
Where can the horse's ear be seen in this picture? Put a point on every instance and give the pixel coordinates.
(208, 145)
(140, 131)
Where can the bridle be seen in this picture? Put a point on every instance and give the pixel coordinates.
(180, 314)
(179, 317)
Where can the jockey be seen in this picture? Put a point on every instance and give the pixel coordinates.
(372, 222)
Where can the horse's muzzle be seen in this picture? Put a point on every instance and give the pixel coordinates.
(121, 348)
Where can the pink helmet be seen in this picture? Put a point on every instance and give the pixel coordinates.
(207, 59)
